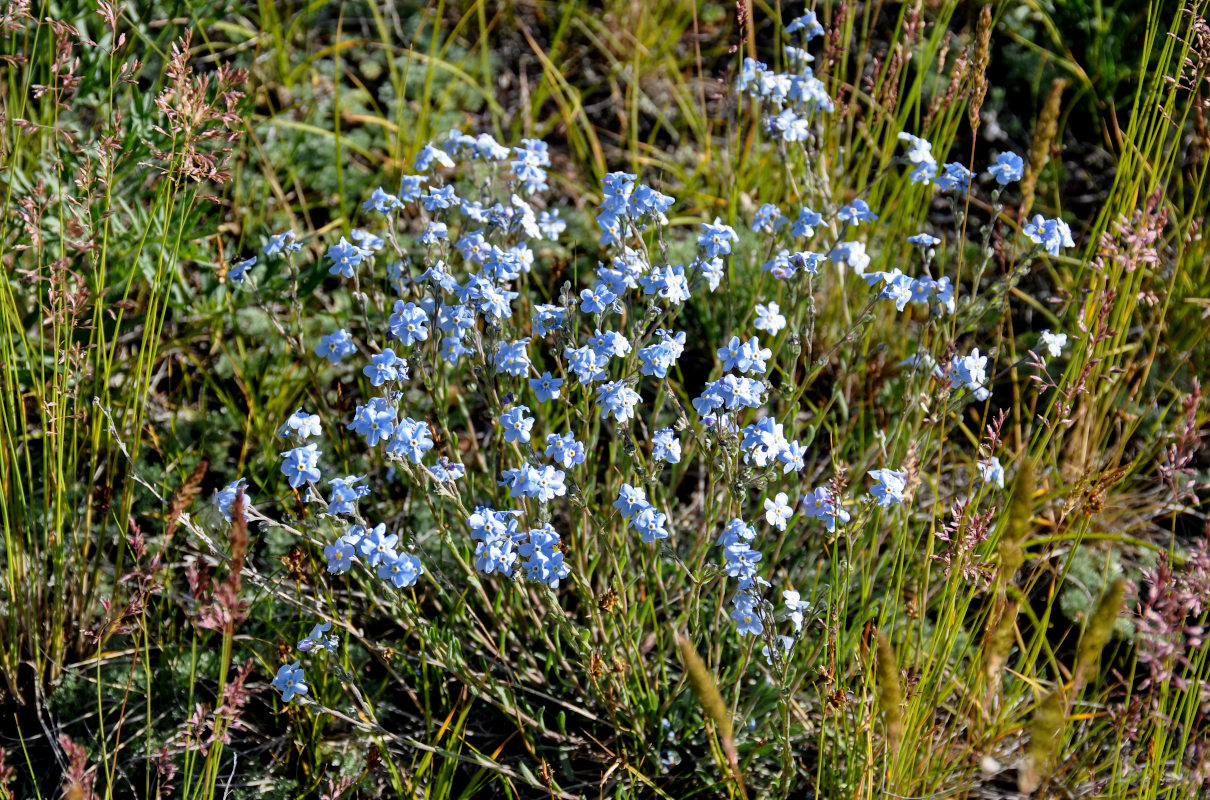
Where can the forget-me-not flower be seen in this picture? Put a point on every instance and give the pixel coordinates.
(290, 681)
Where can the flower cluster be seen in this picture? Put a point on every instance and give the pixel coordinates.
(561, 378)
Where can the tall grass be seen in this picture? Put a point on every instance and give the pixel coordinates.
(910, 683)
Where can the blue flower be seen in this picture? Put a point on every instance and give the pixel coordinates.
(400, 569)
(344, 257)
(956, 176)
(851, 253)
(669, 283)
(528, 167)
(744, 356)
(411, 187)
(302, 425)
(495, 532)
(731, 391)
(226, 497)
(630, 500)
(316, 638)
(608, 344)
(585, 364)
(473, 246)
(970, 372)
(434, 233)
(346, 492)
(517, 425)
(335, 346)
(749, 73)
(408, 323)
(746, 617)
(547, 318)
(438, 199)
(486, 147)
(900, 288)
(543, 557)
(809, 92)
(596, 299)
(447, 471)
(647, 205)
(797, 57)
(856, 212)
(890, 487)
(658, 358)
(782, 648)
(740, 561)
(1008, 168)
(820, 504)
(650, 524)
(240, 271)
(920, 155)
(543, 483)
(768, 219)
(301, 465)
(665, 446)
(430, 155)
(512, 358)
(411, 440)
(991, 471)
(1051, 233)
(763, 441)
(473, 211)
(711, 270)
(808, 24)
(617, 399)
(564, 449)
(386, 366)
(381, 201)
(283, 242)
(616, 188)
(808, 261)
(611, 226)
(290, 681)
(923, 240)
(716, 238)
(735, 532)
(340, 556)
(792, 126)
(377, 545)
(795, 608)
(375, 421)
(367, 242)
(456, 319)
(452, 349)
(780, 265)
(791, 457)
(546, 388)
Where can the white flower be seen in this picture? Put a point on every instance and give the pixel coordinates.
(777, 511)
(1054, 342)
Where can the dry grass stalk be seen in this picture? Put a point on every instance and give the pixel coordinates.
(890, 694)
(983, 37)
(1096, 636)
(705, 689)
(1020, 513)
(1044, 732)
(998, 644)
